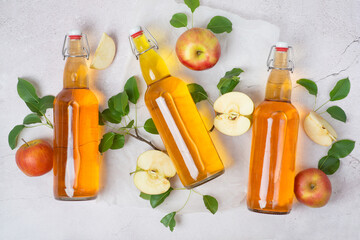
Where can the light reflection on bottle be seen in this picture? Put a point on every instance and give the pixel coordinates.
(170, 122)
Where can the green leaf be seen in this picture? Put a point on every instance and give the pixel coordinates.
(197, 92)
(101, 119)
(229, 81)
(118, 142)
(46, 102)
(211, 203)
(130, 124)
(106, 142)
(41, 106)
(219, 24)
(337, 113)
(179, 20)
(309, 85)
(145, 196)
(27, 91)
(156, 200)
(110, 115)
(34, 107)
(192, 4)
(329, 164)
(233, 72)
(150, 127)
(226, 85)
(32, 118)
(342, 148)
(132, 90)
(169, 221)
(341, 90)
(119, 103)
(13, 135)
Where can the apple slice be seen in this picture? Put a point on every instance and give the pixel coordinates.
(154, 167)
(234, 110)
(319, 130)
(104, 54)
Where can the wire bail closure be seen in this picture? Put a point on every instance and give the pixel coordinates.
(151, 40)
(85, 43)
(270, 60)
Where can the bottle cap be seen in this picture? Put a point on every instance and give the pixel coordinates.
(136, 31)
(282, 46)
(75, 34)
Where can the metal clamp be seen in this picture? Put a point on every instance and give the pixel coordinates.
(270, 60)
(86, 49)
(150, 39)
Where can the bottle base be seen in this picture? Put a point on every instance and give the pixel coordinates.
(211, 177)
(274, 212)
(61, 198)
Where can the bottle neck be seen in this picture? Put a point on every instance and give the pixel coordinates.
(278, 86)
(76, 69)
(152, 66)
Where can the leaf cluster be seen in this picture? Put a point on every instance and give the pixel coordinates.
(118, 113)
(226, 84)
(330, 163)
(340, 91)
(169, 220)
(36, 105)
(217, 24)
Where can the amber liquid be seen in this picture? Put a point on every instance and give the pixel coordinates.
(272, 161)
(76, 138)
(178, 121)
(183, 132)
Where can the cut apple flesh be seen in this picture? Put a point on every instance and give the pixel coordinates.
(153, 169)
(233, 111)
(104, 54)
(151, 183)
(319, 130)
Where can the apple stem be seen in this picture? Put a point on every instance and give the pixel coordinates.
(27, 144)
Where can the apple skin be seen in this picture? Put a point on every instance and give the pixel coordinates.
(198, 49)
(35, 158)
(312, 187)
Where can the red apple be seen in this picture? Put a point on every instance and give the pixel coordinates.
(312, 187)
(198, 49)
(35, 158)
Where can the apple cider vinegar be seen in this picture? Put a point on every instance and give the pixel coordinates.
(176, 117)
(273, 150)
(76, 157)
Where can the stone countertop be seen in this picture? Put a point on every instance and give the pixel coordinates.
(326, 38)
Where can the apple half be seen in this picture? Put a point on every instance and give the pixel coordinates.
(234, 111)
(153, 170)
(319, 130)
(104, 54)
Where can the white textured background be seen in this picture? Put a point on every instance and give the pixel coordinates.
(325, 35)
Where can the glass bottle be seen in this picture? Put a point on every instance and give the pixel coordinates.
(76, 131)
(274, 138)
(176, 117)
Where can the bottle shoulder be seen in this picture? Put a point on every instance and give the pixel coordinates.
(267, 108)
(81, 95)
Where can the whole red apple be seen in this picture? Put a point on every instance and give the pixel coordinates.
(198, 49)
(35, 158)
(312, 187)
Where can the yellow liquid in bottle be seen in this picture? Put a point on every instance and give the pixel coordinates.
(178, 121)
(275, 131)
(76, 135)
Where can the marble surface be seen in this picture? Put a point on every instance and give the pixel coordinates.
(326, 39)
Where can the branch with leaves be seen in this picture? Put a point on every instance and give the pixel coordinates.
(217, 24)
(36, 105)
(118, 113)
(330, 163)
(169, 219)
